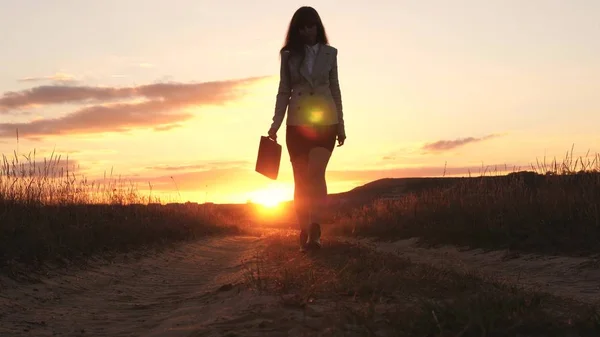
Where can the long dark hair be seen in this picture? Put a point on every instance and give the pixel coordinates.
(303, 16)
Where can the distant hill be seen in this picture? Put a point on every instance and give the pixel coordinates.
(390, 188)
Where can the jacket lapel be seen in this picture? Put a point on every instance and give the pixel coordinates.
(305, 74)
(320, 61)
(318, 65)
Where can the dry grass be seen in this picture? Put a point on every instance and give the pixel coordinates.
(553, 208)
(372, 294)
(50, 215)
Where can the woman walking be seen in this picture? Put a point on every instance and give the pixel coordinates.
(310, 92)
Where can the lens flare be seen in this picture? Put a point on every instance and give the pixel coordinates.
(316, 116)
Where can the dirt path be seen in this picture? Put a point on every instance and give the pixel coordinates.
(168, 294)
(567, 277)
(192, 290)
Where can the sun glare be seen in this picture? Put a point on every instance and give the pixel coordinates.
(270, 197)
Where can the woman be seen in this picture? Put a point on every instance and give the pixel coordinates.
(310, 92)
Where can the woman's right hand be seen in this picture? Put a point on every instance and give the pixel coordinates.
(272, 134)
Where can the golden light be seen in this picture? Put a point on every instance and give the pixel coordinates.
(316, 116)
(271, 196)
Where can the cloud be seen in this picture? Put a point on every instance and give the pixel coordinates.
(98, 119)
(58, 77)
(191, 93)
(223, 174)
(167, 127)
(227, 176)
(157, 106)
(202, 166)
(445, 145)
(231, 179)
(75, 153)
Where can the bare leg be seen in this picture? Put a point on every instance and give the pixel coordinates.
(318, 159)
(301, 192)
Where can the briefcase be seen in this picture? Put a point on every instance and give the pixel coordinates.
(269, 158)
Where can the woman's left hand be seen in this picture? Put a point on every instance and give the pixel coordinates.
(341, 141)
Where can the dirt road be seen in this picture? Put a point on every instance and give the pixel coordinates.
(193, 290)
(168, 294)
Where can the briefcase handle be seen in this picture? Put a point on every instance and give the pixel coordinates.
(269, 138)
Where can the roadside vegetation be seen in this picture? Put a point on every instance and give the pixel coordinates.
(48, 214)
(552, 208)
(351, 290)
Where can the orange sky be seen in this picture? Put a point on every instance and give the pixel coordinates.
(178, 99)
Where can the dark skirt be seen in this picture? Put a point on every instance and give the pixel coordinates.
(300, 139)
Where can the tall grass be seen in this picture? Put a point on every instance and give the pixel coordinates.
(552, 208)
(50, 214)
(53, 181)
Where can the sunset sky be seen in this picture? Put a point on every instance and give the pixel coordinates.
(177, 93)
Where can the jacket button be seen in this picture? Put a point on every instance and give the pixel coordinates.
(312, 93)
(299, 93)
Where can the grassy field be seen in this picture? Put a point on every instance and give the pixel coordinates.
(351, 290)
(48, 215)
(553, 208)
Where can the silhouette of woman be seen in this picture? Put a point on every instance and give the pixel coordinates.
(310, 92)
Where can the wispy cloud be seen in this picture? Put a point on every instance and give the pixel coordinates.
(98, 119)
(230, 175)
(224, 178)
(209, 165)
(58, 77)
(445, 145)
(184, 93)
(168, 127)
(47, 151)
(156, 106)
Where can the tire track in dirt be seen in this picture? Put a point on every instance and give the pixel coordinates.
(165, 294)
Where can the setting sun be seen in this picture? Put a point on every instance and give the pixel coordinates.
(271, 196)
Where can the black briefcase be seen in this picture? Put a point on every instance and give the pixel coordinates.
(269, 158)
